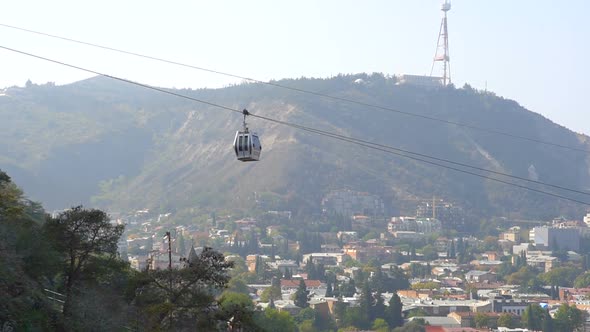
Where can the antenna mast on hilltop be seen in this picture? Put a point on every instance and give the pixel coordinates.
(442, 46)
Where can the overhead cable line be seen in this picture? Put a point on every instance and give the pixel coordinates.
(374, 146)
(353, 141)
(426, 156)
(388, 147)
(315, 93)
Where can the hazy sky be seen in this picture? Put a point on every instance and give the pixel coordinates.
(533, 51)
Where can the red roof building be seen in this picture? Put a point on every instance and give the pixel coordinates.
(294, 284)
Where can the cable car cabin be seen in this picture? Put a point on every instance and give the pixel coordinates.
(247, 146)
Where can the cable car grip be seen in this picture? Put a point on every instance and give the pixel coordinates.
(246, 113)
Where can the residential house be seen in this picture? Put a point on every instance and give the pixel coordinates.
(438, 321)
(467, 319)
(347, 237)
(287, 306)
(293, 284)
(327, 259)
(283, 265)
(512, 235)
(512, 306)
(480, 276)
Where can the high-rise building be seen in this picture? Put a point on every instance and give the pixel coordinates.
(349, 203)
(553, 238)
(450, 216)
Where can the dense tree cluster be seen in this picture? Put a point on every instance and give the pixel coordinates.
(63, 273)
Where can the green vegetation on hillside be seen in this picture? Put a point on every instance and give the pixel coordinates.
(130, 148)
(63, 274)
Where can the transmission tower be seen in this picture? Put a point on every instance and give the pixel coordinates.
(442, 46)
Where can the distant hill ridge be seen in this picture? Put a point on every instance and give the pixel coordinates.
(125, 147)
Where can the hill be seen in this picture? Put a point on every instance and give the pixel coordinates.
(124, 147)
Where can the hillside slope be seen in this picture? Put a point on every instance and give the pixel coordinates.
(127, 147)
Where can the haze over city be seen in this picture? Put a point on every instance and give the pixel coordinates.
(312, 175)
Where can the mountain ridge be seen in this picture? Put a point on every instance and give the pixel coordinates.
(161, 152)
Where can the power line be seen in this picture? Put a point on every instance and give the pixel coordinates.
(388, 147)
(121, 79)
(319, 94)
(353, 141)
(374, 146)
(362, 141)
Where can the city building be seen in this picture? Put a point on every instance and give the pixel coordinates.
(516, 307)
(293, 284)
(283, 265)
(139, 263)
(438, 321)
(480, 276)
(467, 319)
(554, 238)
(324, 258)
(512, 235)
(349, 236)
(419, 80)
(413, 224)
(348, 203)
(541, 260)
(450, 216)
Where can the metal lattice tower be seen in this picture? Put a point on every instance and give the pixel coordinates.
(442, 46)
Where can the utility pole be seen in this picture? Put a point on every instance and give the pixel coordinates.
(169, 251)
(170, 271)
(433, 207)
(169, 259)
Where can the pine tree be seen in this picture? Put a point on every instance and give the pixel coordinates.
(254, 248)
(336, 289)
(310, 268)
(285, 248)
(461, 253)
(377, 280)
(366, 304)
(530, 323)
(259, 267)
(288, 274)
(235, 246)
(394, 312)
(547, 322)
(351, 288)
(452, 253)
(320, 272)
(181, 246)
(275, 282)
(460, 245)
(272, 252)
(329, 292)
(301, 295)
(379, 307)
